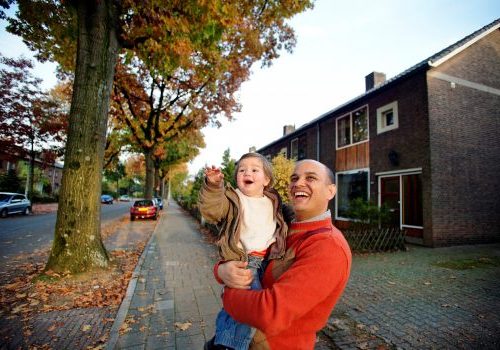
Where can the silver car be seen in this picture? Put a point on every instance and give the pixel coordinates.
(12, 203)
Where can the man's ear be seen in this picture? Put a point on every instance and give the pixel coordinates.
(332, 191)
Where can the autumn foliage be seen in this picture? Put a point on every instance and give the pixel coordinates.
(282, 170)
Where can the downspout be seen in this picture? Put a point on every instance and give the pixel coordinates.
(317, 142)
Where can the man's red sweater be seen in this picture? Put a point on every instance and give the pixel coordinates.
(299, 292)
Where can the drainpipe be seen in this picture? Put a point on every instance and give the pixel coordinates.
(317, 142)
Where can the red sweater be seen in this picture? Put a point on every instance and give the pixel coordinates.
(299, 292)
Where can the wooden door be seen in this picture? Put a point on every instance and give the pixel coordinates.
(390, 196)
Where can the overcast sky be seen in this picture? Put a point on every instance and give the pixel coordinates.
(338, 44)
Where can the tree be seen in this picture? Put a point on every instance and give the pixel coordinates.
(29, 121)
(166, 36)
(175, 153)
(228, 167)
(282, 170)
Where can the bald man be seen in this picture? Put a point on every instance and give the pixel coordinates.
(300, 291)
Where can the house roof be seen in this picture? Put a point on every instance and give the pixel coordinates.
(432, 61)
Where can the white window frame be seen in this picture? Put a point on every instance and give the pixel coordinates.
(400, 174)
(381, 125)
(367, 170)
(295, 142)
(351, 129)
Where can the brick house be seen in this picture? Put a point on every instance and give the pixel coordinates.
(52, 172)
(426, 143)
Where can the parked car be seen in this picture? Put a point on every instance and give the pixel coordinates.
(159, 200)
(124, 198)
(12, 203)
(144, 209)
(106, 199)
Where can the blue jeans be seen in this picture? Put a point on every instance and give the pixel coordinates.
(229, 332)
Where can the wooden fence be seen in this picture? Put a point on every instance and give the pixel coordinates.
(372, 239)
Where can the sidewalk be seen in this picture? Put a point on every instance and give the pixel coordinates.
(173, 298)
(393, 300)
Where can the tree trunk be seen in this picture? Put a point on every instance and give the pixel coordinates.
(157, 181)
(77, 245)
(150, 172)
(31, 175)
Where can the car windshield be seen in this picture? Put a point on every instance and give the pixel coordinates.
(144, 203)
(4, 197)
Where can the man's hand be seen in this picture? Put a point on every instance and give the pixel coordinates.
(214, 176)
(234, 274)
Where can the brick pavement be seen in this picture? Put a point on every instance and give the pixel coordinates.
(401, 300)
(173, 298)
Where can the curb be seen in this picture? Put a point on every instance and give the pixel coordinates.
(114, 333)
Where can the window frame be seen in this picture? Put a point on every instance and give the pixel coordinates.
(351, 129)
(348, 172)
(296, 142)
(381, 128)
(400, 174)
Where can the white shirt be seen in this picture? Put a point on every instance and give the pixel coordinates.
(257, 222)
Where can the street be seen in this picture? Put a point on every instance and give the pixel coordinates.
(25, 234)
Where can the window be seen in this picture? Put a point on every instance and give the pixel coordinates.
(294, 149)
(352, 128)
(350, 185)
(387, 117)
(301, 154)
(343, 131)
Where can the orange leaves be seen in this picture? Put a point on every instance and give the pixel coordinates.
(27, 290)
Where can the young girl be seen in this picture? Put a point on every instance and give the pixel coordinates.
(252, 229)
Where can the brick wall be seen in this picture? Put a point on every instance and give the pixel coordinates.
(465, 147)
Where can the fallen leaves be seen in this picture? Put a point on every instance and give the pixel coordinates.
(27, 291)
(183, 326)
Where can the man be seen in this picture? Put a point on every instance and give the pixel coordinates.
(300, 290)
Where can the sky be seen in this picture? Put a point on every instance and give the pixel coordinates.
(338, 44)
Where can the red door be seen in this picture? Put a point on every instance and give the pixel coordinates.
(390, 196)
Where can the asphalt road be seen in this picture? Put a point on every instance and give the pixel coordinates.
(25, 234)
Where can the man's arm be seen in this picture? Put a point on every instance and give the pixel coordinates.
(320, 270)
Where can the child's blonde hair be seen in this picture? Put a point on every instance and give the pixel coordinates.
(266, 166)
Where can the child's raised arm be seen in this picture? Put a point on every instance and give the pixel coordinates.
(214, 176)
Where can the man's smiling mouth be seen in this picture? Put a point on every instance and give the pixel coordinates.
(300, 195)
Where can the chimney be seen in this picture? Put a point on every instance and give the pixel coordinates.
(252, 149)
(288, 129)
(374, 79)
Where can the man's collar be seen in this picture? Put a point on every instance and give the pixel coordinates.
(320, 217)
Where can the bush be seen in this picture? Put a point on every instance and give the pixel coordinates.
(371, 229)
(368, 214)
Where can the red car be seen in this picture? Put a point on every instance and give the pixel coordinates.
(144, 209)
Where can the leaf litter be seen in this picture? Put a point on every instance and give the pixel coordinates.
(26, 290)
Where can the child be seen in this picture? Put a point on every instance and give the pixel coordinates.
(253, 229)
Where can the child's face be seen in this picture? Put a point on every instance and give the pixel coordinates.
(251, 178)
